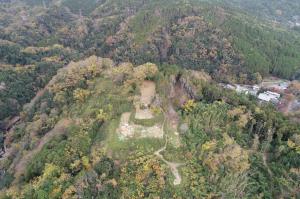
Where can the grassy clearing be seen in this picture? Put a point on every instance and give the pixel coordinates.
(122, 148)
(147, 122)
(173, 152)
(103, 94)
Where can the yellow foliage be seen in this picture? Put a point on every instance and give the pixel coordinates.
(51, 59)
(76, 72)
(213, 162)
(50, 171)
(55, 192)
(227, 140)
(148, 173)
(209, 146)
(243, 120)
(102, 116)
(189, 106)
(93, 70)
(86, 162)
(81, 95)
(236, 158)
(144, 71)
(76, 165)
(34, 50)
(258, 110)
(57, 46)
(242, 114)
(123, 68)
(70, 193)
(155, 110)
(127, 74)
(293, 146)
(237, 111)
(30, 50)
(12, 192)
(60, 97)
(107, 63)
(113, 182)
(96, 154)
(233, 156)
(123, 72)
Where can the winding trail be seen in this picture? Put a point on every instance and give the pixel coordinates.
(173, 165)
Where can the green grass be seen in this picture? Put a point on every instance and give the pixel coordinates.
(147, 122)
(122, 148)
(173, 152)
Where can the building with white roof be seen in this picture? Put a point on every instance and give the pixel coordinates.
(269, 96)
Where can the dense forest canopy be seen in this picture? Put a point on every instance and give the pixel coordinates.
(285, 12)
(124, 99)
(129, 31)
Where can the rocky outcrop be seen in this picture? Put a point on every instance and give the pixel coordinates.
(183, 83)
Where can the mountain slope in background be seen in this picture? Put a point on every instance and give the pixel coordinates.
(189, 33)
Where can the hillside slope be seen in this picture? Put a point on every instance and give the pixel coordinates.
(102, 130)
(122, 99)
(193, 34)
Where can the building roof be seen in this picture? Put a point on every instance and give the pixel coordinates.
(268, 96)
(264, 97)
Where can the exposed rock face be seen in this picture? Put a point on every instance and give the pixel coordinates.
(164, 44)
(185, 86)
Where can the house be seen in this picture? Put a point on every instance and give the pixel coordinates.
(284, 85)
(256, 87)
(254, 90)
(228, 86)
(242, 89)
(269, 96)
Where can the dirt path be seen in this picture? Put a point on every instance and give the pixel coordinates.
(147, 92)
(23, 162)
(173, 165)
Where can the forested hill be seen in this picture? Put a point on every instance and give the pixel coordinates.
(221, 39)
(278, 11)
(129, 99)
(193, 34)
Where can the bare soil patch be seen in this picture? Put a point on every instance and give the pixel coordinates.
(129, 130)
(143, 102)
(147, 92)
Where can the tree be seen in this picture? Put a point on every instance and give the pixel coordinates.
(189, 106)
(101, 116)
(145, 71)
(81, 95)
